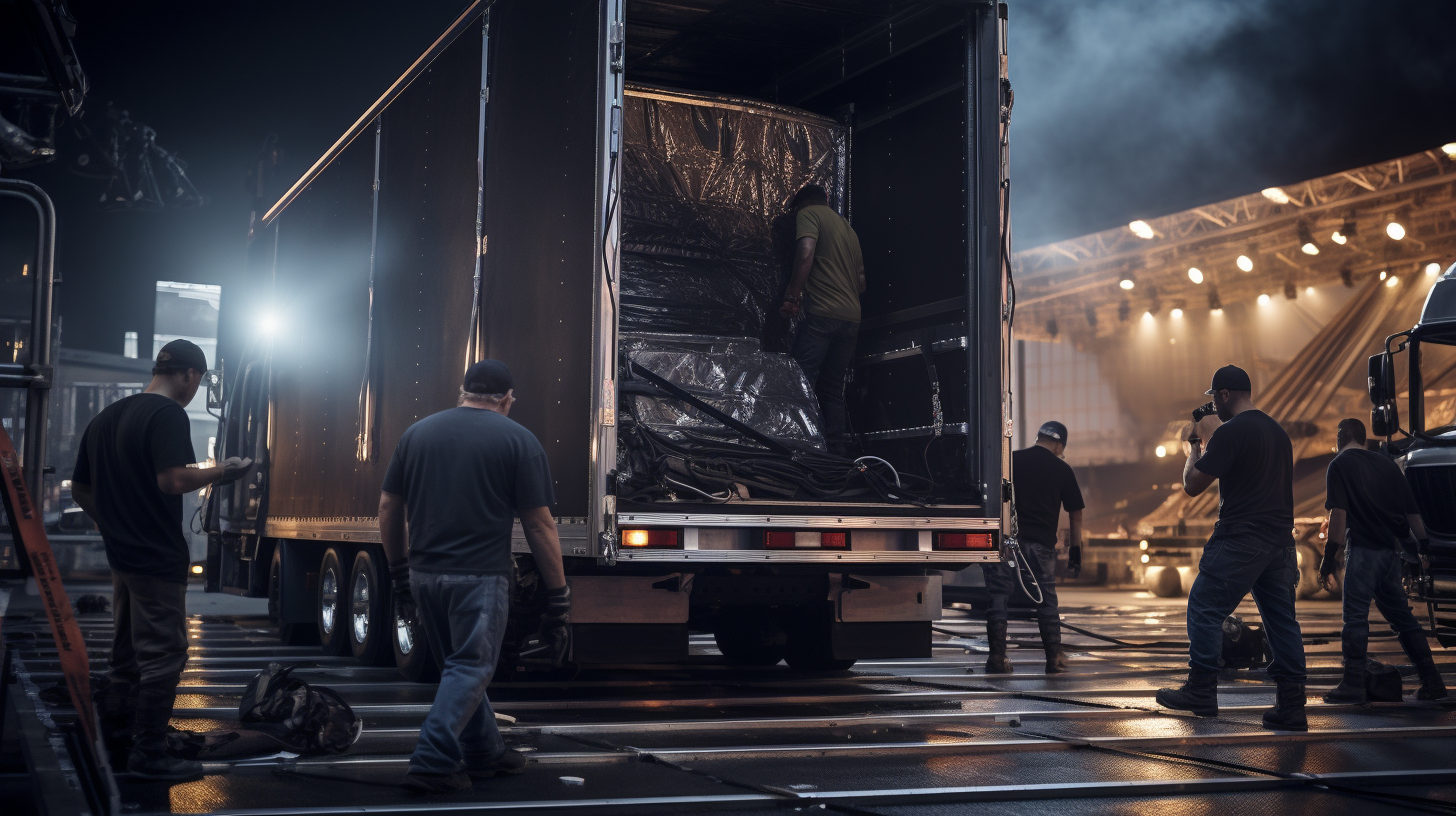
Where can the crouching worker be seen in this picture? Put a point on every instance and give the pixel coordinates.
(135, 462)
(1371, 511)
(461, 477)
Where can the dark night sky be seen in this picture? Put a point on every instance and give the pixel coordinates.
(1124, 109)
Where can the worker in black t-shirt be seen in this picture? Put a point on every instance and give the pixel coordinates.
(1251, 549)
(461, 477)
(1372, 512)
(1044, 485)
(134, 464)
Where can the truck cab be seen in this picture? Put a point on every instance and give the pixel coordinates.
(1426, 447)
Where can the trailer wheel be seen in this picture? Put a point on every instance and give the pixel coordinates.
(333, 605)
(411, 650)
(810, 648)
(748, 638)
(369, 612)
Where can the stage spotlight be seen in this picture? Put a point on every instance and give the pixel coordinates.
(1161, 451)
(1051, 327)
(1263, 300)
(1126, 284)
(1290, 290)
(1214, 304)
(1306, 240)
(1392, 282)
(1309, 290)
(1245, 263)
(1347, 276)
(1195, 274)
(1141, 229)
(1276, 195)
(1395, 230)
(1345, 232)
(1433, 269)
(1384, 274)
(1449, 149)
(1176, 314)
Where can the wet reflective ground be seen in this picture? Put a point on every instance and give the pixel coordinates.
(889, 737)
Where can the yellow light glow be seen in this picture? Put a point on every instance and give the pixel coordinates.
(1126, 283)
(1245, 263)
(1161, 451)
(1393, 282)
(1449, 148)
(1177, 314)
(1275, 195)
(1263, 300)
(1143, 545)
(1215, 311)
(1309, 249)
(196, 569)
(1338, 237)
(1384, 274)
(1395, 231)
(1147, 317)
(1309, 290)
(1433, 269)
(1195, 274)
(1141, 229)
(635, 538)
(1145, 558)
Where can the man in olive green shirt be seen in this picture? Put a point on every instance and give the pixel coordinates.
(827, 280)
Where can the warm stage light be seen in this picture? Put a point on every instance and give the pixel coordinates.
(1126, 283)
(1147, 317)
(1449, 149)
(1263, 300)
(1384, 274)
(1141, 229)
(1338, 237)
(1392, 282)
(1245, 263)
(1143, 545)
(1395, 230)
(1309, 290)
(1309, 249)
(1145, 558)
(1161, 451)
(1217, 311)
(1276, 195)
(1433, 269)
(1177, 314)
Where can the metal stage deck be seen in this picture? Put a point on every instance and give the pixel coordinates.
(905, 737)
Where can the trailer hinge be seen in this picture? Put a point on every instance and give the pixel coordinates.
(615, 37)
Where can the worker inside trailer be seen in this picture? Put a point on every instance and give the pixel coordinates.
(824, 288)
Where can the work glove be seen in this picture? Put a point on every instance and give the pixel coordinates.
(554, 639)
(233, 469)
(1331, 560)
(399, 585)
(1074, 560)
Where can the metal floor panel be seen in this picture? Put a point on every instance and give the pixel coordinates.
(1253, 803)
(1399, 754)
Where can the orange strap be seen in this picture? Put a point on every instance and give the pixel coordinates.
(26, 524)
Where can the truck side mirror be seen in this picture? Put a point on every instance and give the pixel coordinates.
(1385, 419)
(213, 379)
(1382, 380)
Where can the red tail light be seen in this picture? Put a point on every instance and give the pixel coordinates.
(804, 539)
(965, 541)
(660, 539)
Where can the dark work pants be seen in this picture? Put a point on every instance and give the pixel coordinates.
(1239, 559)
(824, 348)
(464, 618)
(1374, 575)
(149, 647)
(1002, 583)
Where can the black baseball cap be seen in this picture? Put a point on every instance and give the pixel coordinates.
(1232, 378)
(182, 354)
(1053, 430)
(488, 377)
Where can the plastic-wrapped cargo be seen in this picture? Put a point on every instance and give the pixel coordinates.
(763, 390)
(706, 182)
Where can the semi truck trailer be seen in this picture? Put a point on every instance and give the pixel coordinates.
(1426, 447)
(596, 192)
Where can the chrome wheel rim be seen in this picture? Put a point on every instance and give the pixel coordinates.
(402, 635)
(361, 607)
(328, 600)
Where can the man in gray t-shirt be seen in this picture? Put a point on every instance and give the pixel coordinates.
(461, 477)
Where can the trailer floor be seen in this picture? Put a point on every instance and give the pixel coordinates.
(905, 737)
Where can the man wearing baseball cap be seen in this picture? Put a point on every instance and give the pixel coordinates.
(1044, 485)
(135, 462)
(1251, 549)
(461, 477)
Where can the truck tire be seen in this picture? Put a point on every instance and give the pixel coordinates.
(749, 638)
(1163, 582)
(412, 651)
(333, 604)
(809, 648)
(290, 634)
(370, 611)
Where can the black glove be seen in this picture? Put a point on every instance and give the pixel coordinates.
(1074, 560)
(1331, 560)
(554, 638)
(399, 584)
(233, 469)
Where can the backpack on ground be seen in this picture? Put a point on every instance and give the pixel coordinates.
(309, 719)
(1382, 682)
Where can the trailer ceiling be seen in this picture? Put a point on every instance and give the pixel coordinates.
(740, 46)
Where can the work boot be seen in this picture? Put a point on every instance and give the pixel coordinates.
(510, 762)
(148, 757)
(1351, 690)
(1051, 641)
(996, 662)
(1288, 711)
(1418, 649)
(1199, 695)
(116, 709)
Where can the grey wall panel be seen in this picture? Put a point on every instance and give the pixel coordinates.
(321, 298)
(425, 261)
(540, 263)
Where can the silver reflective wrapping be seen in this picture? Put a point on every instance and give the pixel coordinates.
(763, 390)
(706, 182)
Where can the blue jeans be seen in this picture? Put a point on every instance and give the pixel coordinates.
(1001, 582)
(464, 619)
(824, 348)
(1374, 574)
(1237, 559)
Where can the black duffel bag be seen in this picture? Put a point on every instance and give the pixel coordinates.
(309, 719)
